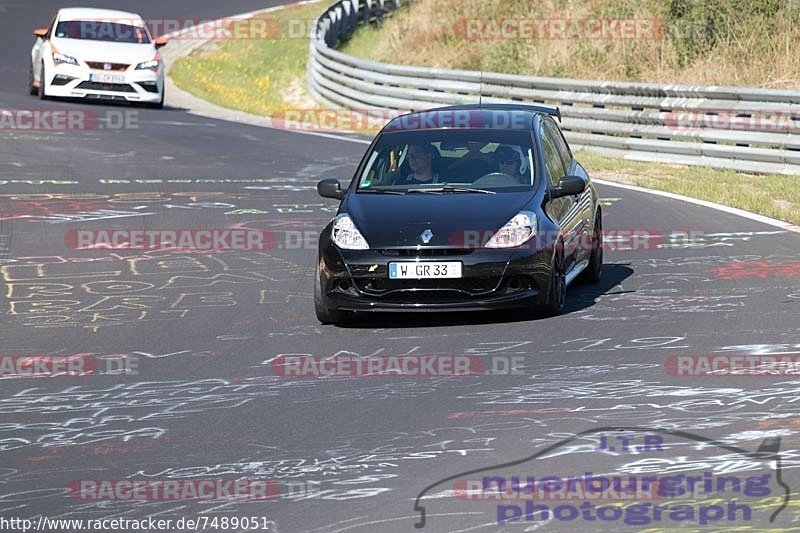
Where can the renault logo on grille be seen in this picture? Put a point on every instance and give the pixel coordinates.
(426, 236)
(106, 66)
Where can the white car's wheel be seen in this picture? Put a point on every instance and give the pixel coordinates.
(160, 103)
(41, 91)
(32, 88)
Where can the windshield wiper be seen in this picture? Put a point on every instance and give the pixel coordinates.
(438, 190)
(452, 188)
(379, 191)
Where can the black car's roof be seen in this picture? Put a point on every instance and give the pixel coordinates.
(472, 116)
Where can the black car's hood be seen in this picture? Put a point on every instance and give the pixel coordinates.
(389, 221)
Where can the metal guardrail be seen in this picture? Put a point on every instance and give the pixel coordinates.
(745, 129)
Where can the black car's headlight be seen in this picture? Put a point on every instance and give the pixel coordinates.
(517, 231)
(345, 234)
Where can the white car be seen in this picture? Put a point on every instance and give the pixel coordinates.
(97, 53)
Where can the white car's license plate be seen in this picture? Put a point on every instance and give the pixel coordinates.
(425, 270)
(104, 77)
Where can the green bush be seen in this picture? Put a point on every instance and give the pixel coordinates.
(695, 27)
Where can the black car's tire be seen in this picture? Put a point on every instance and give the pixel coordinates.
(557, 293)
(40, 91)
(594, 270)
(326, 314)
(32, 89)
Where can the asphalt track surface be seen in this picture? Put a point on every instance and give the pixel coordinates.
(204, 402)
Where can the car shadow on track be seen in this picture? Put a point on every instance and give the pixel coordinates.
(579, 296)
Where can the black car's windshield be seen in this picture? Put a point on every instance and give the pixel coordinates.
(450, 161)
(97, 30)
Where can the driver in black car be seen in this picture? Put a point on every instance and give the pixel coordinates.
(510, 162)
(422, 164)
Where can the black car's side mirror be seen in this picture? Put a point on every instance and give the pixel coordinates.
(568, 186)
(330, 188)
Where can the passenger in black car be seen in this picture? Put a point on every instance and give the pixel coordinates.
(510, 162)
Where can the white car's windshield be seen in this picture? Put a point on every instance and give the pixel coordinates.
(94, 30)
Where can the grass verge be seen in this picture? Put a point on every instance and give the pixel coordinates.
(774, 196)
(261, 76)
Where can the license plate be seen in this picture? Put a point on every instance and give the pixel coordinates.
(104, 77)
(425, 270)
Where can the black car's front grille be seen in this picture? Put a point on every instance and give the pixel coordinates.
(424, 252)
(97, 86)
(421, 291)
(426, 288)
(426, 297)
(468, 285)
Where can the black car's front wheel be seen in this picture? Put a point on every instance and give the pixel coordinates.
(557, 293)
(594, 270)
(326, 313)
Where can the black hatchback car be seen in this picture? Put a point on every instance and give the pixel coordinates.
(472, 207)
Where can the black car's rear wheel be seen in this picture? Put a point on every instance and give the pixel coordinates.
(557, 294)
(326, 313)
(594, 271)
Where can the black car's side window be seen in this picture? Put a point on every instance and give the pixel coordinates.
(552, 159)
(558, 141)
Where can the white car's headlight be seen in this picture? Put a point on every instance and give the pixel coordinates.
(517, 231)
(345, 234)
(148, 65)
(59, 58)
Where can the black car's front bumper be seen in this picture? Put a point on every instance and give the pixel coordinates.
(358, 280)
